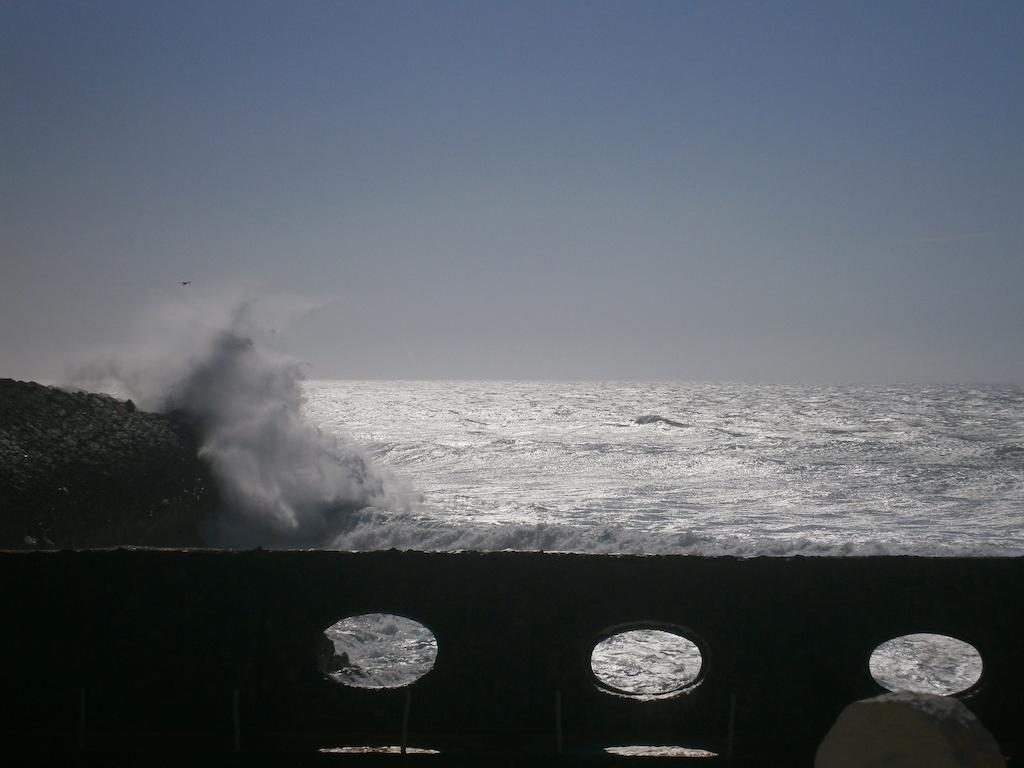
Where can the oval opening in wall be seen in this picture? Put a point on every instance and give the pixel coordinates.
(391, 749)
(377, 650)
(659, 750)
(926, 663)
(646, 663)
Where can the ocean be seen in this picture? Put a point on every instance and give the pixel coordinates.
(629, 467)
(718, 469)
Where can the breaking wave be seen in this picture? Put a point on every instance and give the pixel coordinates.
(282, 481)
(380, 529)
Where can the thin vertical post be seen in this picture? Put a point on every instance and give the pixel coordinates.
(236, 720)
(558, 721)
(81, 718)
(732, 725)
(405, 719)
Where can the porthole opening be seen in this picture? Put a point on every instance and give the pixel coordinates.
(926, 663)
(371, 749)
(646, 663)
(659, 750)
(377, 650)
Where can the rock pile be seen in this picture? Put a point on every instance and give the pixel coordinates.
(85, 470)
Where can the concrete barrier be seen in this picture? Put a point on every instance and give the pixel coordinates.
(115, 651)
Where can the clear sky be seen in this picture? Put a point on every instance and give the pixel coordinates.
(781, 191)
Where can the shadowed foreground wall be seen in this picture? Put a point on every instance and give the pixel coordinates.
(155, 642)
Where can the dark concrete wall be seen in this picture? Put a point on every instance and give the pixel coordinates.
(158, 640)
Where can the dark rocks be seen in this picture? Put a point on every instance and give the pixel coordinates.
(655, 419)
(85, 470)
(328, 658)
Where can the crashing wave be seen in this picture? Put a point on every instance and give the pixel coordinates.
(376, 529)
(282, 482)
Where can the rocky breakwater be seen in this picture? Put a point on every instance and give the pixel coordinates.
(85, 470)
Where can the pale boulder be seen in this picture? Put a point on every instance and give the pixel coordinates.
(908, 730)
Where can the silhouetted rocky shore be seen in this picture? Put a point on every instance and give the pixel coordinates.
(86, 470)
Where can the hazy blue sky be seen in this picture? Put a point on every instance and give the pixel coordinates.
(703, 190)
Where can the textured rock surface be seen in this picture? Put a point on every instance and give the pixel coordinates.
(86, 470)
(907, 730)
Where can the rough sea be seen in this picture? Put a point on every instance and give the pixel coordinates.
(621, 467)
(689, 468)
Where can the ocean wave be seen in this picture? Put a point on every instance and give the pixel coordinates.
(375, 529)
(282, 481)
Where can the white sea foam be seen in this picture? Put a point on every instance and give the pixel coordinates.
(646, 662)
(383, 650)
(926, 663)
(687, 468)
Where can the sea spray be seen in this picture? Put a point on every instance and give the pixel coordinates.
(283, 483)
